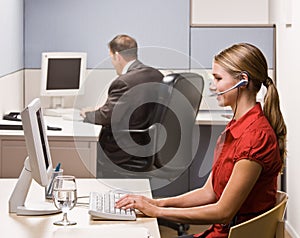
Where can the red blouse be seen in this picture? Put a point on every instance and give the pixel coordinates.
(251, 137)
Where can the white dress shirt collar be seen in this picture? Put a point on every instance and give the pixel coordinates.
(125, 69)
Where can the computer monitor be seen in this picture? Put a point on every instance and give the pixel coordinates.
(38, 164)
(63, 74)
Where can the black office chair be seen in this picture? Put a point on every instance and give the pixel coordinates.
(177, 153)
(170, 137)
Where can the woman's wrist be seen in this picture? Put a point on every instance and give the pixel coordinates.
(159, 212)
(160, 202)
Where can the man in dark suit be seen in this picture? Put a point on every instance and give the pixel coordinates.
(129, 104)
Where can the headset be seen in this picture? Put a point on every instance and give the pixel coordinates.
(242, 82)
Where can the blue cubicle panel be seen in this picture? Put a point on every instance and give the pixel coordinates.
(11, 27)
(208, 41)
(160, 27)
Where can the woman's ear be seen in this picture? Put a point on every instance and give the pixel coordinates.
(244, 76)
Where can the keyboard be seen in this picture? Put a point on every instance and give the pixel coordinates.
(102, 206)
(72, 117)
(59, 112)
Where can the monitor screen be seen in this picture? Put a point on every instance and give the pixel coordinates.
(42, 137)
(63, 73)
(37, 142)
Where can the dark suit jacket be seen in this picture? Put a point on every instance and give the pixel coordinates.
(123, 110)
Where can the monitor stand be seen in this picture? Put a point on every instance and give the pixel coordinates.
(57, 102)
(58, 109)
(19, 194)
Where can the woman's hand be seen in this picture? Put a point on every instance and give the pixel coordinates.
(145, 205)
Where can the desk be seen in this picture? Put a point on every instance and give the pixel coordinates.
(75, 144)
(12, 225)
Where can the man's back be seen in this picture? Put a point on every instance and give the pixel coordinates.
(132, 109)
(130, 100)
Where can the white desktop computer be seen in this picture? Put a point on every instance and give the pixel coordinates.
(63, 74)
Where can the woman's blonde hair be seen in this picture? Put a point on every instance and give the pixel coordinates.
(247, 57)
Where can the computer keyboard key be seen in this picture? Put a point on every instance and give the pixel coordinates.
(102, 206)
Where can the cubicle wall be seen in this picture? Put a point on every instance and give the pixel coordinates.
(207, 41)
(11, 26)
(11, 57)
(76, 25)
(168, 39)
(11, 92)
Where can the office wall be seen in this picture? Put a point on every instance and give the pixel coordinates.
(11, 57)
(11, 32)
(160, 27)
(166, 39)
(94, 90)
(208, 41)
(285, 14)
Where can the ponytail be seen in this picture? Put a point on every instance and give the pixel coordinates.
(273, 114)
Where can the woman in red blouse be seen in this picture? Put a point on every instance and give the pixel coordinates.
(248, 156)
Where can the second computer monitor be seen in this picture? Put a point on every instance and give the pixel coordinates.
(62, 73)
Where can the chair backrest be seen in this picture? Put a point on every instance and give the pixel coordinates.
(179, 101)
(264, 225)
(176, 108)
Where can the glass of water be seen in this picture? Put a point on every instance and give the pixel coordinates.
(64, 197)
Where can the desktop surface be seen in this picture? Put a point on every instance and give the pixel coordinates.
(12, 225)
(69, 128)
(103, 231)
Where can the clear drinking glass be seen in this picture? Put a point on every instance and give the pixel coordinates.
(64, 197)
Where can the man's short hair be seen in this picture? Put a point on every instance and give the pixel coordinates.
(124, 45)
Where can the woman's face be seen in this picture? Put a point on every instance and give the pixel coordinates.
(223, 81)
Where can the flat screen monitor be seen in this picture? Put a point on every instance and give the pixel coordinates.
(37, 142)
(38, 164)
(63, 73)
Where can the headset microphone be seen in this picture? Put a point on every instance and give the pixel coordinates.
(242, 82)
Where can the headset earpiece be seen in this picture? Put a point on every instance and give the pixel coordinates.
(243, 82)
(244, 77)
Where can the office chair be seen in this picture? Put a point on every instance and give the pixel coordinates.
(171, 125)
(267, 225)
(171, 133)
